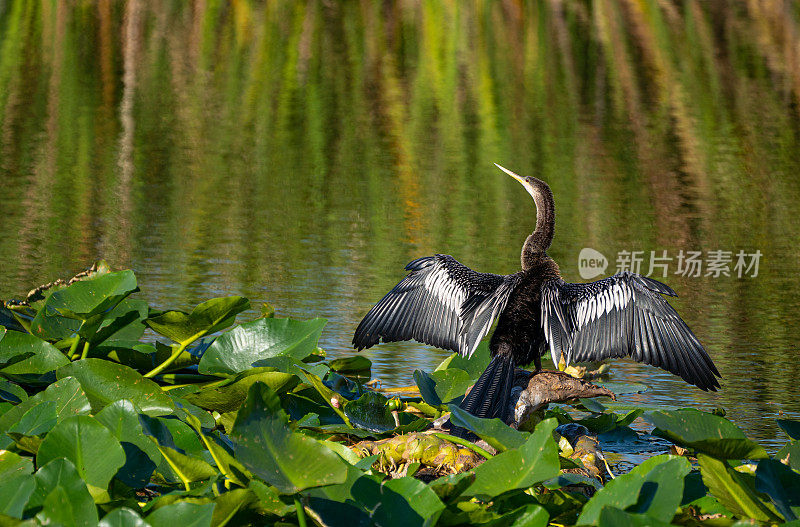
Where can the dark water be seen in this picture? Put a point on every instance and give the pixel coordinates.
(300, 153)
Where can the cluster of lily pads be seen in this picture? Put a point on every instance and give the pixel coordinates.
(202, 422)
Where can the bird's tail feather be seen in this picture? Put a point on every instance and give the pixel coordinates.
(490, 395)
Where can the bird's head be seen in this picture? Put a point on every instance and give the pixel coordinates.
(533, 185)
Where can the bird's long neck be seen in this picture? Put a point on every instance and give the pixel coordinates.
(539, 240)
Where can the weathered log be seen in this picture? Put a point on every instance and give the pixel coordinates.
(532, 392)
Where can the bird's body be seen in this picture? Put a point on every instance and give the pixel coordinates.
(446, 304)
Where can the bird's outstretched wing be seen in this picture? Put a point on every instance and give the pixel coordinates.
(623, 315)
(441, 302)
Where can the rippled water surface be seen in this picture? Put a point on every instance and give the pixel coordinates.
(301, 153)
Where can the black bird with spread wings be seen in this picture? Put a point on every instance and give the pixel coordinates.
(448, 305)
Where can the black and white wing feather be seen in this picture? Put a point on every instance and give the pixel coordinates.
(441, 302)
(623, 315)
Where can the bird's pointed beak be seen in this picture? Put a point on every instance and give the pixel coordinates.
(512, 174)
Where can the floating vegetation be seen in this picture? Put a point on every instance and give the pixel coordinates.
(206, 422)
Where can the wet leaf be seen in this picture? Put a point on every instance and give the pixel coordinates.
(288, 460)
(535, 461)
(704, 432)
(208, 317)
(105, 382)
(244, 346)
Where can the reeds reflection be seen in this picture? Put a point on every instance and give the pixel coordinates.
(301, 153)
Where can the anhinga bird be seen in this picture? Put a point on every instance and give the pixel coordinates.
(448, 305)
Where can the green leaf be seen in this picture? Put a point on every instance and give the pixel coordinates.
(730, 489)
(67, 394)
(494, 431)
(86, 298)
(105, 382)
(230, 395)
(614, 517)
(122, 517)
(62, 474)
(36, 421)
(244, 346)
(706, 433)
(187, 468)
(402, 502)
(792, 428)
(12, 465)
(354, 363)
(141, 455)
(182, 513)
(474, 366)
(790, 453)
(288, 460)
(269, 500)
(370, 413)
(655, 487)
(15, 491)
(23, 353)
(90, 446)
(12, 392)
(210, 316)
(443, 386)
(535, 461)
(782, 485)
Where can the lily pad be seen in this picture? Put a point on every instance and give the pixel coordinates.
(86, 298)
(443, 386)
(80, 439)
(704, 432)
(792, 428)
(231, 395)
(59, 477)
(123, 517)
(494, 431)
(782, 485)
(105, 382)
(355, 363)
(474, 365)
(23, 353)
(288, 460)
(141, 454)
(182, 513)
(210, 316)
(244, 346)
(535, 461)
(731, 489)
(654, 488)
(370, 413)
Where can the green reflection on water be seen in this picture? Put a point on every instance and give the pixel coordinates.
(301, 153)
